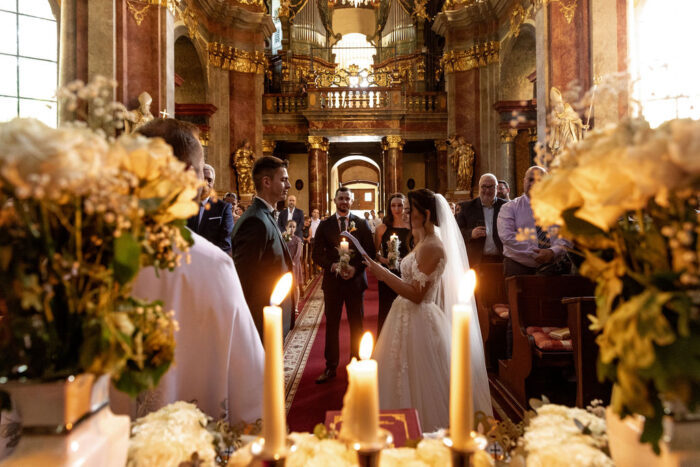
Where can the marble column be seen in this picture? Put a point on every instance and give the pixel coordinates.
(441, 151)
(393, 165)
(318, 173)
(508, 157)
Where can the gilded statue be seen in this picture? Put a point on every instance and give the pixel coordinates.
(462, 161)
(143, 114)
(566, 125)
(243, 160)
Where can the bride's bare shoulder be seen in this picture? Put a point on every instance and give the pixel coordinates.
(431, 252)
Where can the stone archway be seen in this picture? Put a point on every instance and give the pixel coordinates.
(363, 176)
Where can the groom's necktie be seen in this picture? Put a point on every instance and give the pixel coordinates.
(343, 225)
(543, 241)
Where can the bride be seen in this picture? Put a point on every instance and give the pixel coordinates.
(413, 350)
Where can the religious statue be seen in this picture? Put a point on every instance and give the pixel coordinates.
(243, 160)
(566, 125)
(143, 114)
(462, 161)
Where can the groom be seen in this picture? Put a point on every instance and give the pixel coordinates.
(342, 286)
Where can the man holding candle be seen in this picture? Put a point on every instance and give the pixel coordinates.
(343, 284)
(258, 246)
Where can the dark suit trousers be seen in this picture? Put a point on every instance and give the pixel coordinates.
(354, 308)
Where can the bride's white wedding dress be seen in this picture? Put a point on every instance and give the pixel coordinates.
(413, 352)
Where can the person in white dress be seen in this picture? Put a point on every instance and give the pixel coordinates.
(413, 350)
(219, 359)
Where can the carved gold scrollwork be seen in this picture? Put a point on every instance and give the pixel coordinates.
(506, 135)
(441, 145)
(567, 7)
(517, 18)
(457, 4)
(394, 142)
(318, 142)
(268, 146)
(419, 11)
(139, 8)
(351, 77)
(464, 60)
(233, 59)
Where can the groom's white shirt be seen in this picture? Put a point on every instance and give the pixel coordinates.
(218, 354)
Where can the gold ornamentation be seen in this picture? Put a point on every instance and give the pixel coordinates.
(532, 134)
(462, 160)
(137, 13)
(268, 146)
(258, 3)
(395, 142)
(457, 4)
(477, 56)
(441, 145)
(506, 135)
(419, 11)
(243, 160)
(567, 7)
(318, 142)
(353, 77)
(284, 10)
(242, 61)
(517, 18)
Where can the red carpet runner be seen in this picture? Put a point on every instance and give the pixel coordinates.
(312, 400)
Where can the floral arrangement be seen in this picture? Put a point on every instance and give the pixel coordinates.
(80, 214)
(174, 435)
(352, 227)
(563, 436)
(344, 257)
(628, 197)
(393, 255)
(312, 450)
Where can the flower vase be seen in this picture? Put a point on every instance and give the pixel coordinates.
(67, 422)
(679, 446)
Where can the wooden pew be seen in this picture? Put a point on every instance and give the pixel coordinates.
(491, 290)
(532, 371)
(585, 351)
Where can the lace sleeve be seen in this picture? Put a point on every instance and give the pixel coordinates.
(418, 275)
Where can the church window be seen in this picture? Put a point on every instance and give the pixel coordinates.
(28, 60)
(664, 69)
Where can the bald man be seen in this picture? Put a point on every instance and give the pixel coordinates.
(292, 213)
(477, 219)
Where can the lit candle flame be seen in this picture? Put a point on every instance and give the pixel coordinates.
(282, 288)
(366, 345)
(466, 286)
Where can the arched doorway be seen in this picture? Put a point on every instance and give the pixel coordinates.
(362, 175)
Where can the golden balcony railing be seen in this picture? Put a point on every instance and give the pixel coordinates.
(354, 98)
(368, 99)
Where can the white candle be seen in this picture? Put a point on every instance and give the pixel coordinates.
(461, 398)
(344, 246)
(361, 402)
(274, 423)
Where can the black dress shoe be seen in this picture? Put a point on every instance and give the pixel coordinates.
(325, 376)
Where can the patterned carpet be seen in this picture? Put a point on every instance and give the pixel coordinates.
(298, 343)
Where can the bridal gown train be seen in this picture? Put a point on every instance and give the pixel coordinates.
(413, 352)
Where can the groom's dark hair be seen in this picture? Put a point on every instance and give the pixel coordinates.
(424, 200)
(266, 166)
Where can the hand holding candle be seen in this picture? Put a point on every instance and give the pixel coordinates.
(461, 398)
(274, 423)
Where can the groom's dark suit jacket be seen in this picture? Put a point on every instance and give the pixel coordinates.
(216, 224)
(261, 258)
(325, 252)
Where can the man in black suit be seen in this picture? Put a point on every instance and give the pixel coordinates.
(259, 252)
(215, 219)
(342, 285)
(477, 219)
(292, 213)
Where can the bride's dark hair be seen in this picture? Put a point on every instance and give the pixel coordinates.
(424, 200)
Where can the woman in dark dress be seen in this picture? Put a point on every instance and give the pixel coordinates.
(394, 223)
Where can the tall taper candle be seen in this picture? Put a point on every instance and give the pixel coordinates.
(274, 423)
(461, 398)
(361, 402)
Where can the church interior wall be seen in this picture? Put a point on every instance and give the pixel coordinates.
(299, 170)
(189, 68)
(413, 168)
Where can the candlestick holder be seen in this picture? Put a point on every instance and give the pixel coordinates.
(368, 452)
(257, 449)
(463, 457)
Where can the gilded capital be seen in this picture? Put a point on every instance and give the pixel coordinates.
(441, 145)
(507, 136)
(268, 146)
(395, 142)
(318, 142)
